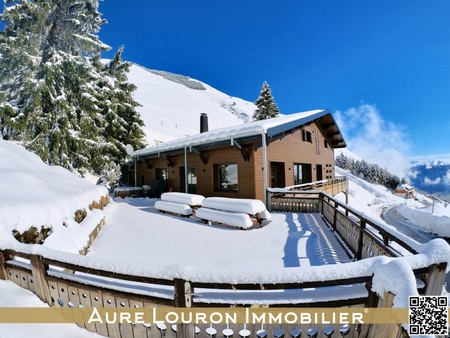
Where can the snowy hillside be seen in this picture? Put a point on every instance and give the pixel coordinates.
(172, 104)
(373, 200)
(35, 194)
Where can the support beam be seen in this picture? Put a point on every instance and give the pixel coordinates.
(135, 170)
(185, 171)
(202, 155)
(243, 150)
(326, 126)
(170, 162)
(264, 146)
(147, 161)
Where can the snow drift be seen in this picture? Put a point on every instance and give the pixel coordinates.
(35, 194)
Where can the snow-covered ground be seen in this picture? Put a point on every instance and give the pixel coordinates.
(373, 200)
(35, 194)
(150, 237)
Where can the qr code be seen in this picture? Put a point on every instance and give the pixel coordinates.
(428, 315)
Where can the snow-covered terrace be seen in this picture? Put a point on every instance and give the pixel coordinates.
(141, 256)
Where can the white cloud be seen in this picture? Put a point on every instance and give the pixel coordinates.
(429, 181)
(374, 139)
(413, 174)
(446, 178)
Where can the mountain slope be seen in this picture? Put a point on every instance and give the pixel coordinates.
(172, 104)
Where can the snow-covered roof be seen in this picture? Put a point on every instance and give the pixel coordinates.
(405, 187)
(270, 127)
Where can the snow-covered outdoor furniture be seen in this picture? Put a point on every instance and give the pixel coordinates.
(179, 197)
(236, 212)
(174, 208)
(179, 203)
(254, 208)
(235, 219)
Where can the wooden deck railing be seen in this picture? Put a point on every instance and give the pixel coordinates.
(330, 186)
(63, 284)
(362, 236)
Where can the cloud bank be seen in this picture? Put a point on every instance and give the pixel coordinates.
(374, 139)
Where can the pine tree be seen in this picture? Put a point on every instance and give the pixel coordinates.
(124, 124)
(19, 62)
(54, 98)
(266, 106)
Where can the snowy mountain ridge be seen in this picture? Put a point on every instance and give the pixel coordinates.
(430, 163)
(171, 104)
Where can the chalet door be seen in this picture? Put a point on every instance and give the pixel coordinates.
(192, 180)
(319, 172)
(307, 173)
(277, 178)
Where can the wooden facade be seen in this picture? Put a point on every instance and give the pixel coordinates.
(297, 154)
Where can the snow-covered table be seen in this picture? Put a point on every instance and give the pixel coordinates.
(179, 203)
(236, 212)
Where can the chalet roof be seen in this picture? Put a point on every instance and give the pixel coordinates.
(405, 187)
(270, 127)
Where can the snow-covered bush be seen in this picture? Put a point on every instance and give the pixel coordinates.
(110, 176)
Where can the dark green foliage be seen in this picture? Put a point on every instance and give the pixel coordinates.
(57, 98)
(370, 172)
(266, 106)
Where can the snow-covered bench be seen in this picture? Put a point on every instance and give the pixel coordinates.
(182, 198)
(174, 208)
(179, 203)
(235, 212)
(235, 219)
(254, 208)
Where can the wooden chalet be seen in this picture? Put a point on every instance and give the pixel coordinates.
(243, 161)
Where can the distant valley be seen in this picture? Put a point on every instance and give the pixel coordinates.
(432, 177)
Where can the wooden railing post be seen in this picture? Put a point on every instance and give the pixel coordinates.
(39, 272)
(3, 273)
(321, 203)
(269, 201)
(385, 330)
(335, 215)
(362, 226)
(435, 279)
(183, 298)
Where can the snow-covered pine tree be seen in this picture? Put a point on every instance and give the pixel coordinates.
(124, 124)
(19, 62)
(266, 106)
(56, 107)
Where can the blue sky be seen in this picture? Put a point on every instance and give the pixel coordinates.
(346, 56)
(391, 55)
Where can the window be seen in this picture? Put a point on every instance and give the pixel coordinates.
(226, 177)
(302, 173)
(162, 174)
(306, 136)
(325, 143)
(298, 175)
(191, 179)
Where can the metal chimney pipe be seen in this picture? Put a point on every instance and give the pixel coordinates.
(203, 122)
